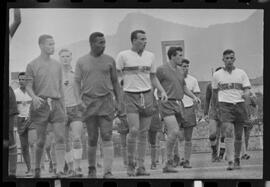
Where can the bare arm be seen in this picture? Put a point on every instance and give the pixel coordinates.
(208, 96)
(115, 83)
(77, 84)
(17, 21)
(156, 84)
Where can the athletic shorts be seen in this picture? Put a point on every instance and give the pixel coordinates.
(73, 114)
(23, 125)
(99, 106)
(234, 113)
(44, 114)
(176, 108)
(139, 102)
(213, 114)
(190, 117)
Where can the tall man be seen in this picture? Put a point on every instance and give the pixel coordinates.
(96, 82)
(189, 114)
(74, 124)
(45, 86)
(172, 111)
(232, 86)
(211, 115)
(137, 68)
(26, 130)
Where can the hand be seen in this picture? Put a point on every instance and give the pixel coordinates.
(116, 121)
(164, 96)
(37, 101)
(197, 100)
(206, 118)
(82, 106)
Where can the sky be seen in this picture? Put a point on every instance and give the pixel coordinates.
(72, 25)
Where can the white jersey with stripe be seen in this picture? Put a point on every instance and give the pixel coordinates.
(234, 95)
(193, 86)
(136, 70)
(23, 102)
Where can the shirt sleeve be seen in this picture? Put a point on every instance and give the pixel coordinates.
(196, 88)
(215, 81)
(246, 83)
(153, 65)
(120, 62)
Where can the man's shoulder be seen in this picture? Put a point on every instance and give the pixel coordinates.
(108, 57)
(162, 67)
(17, 91)
(192, 78)
(238, 70)
(149, 53)
(125, 52)
(83, 58)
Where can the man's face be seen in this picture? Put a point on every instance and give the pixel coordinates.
(22, 81)
(228, 60)
(98, 46)
(178, 57)
(65, 58)
(185, 68)
(140, 41)
(48, 46)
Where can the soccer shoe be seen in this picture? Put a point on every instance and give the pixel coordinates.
(169, 167)
(245, 157)
(141, 172)
(50, 167)
(187, 164)
(131, 169)
(29, 173)
(182, 162)
(65, 169)
(153, 166)
(230, 166)
(92, 172)
(75, 173)
(237, 163)
(108, 175)
(37, 173)
(221, 153)
(60, 174)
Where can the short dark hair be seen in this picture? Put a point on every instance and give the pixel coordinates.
(21, 74)
(43, 38)
(228, 51)
(218, 69)
(134, 34)
(94, 35)
(186, 61)
(173, 51)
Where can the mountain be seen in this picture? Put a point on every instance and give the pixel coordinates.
(203, 46)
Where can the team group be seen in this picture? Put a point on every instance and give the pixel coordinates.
(54, 102)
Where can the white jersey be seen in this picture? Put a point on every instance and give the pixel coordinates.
(136, 70)
(193, 86)
(230, 85)
(23, 102)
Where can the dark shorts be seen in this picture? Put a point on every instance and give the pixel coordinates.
(213, 114)
(45, 115)
(190, 117)
(73, 114)
(100, 106)
(141, 103)
(24, 124)
(234, 113)
(122, 127)
(176, 108)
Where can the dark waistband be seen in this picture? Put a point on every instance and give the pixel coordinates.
(173, 99)
(26, 102)
(52, 98)
(143, 92)
(231, 103)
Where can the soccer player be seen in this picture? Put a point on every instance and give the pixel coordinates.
(189, 114)
(74, 125)
(45, 86)
(232, 86)
(137, 69)
(26, 130)
(96, 82)
(172, 111)
(211, 115)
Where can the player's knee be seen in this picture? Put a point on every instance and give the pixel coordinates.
(77, 143)
(93, 141)
(212, 137)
